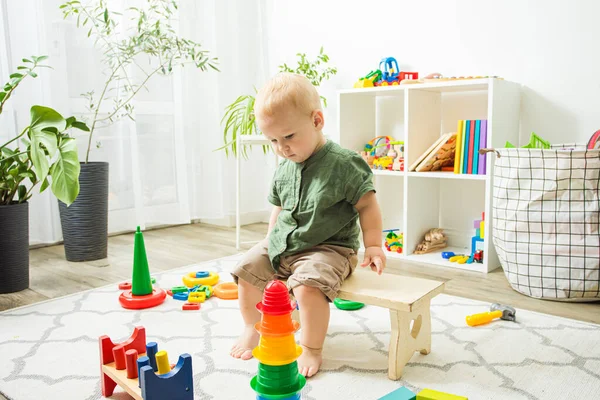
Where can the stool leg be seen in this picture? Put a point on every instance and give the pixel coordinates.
(404, 341)
(424, 336)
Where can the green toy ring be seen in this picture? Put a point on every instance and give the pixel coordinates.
(347, 304)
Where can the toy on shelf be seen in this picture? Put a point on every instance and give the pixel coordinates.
(369, 80)
(477, 240)
(142, 294)
(433, 240)
(535, 142)
(383, 152)
(397, 154)
(388, 74)
(457, 258)
(501, 311)
(143, 371)
(277, 351)
(433, 78)
(393, 242)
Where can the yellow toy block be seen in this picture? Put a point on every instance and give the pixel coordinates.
(162, 362)
(481, 224)
(428, 394)
(196, 297)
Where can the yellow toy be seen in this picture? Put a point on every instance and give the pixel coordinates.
(197, 297)
(429, 394)
(200, 278)
(501, 311)
(368, 81)
(383, 162)
(461, 259)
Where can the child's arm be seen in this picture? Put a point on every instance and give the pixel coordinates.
(273, 218)
(371, 225)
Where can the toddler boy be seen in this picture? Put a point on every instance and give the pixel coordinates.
(319, 192)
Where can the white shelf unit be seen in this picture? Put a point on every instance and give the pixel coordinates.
(416, 202)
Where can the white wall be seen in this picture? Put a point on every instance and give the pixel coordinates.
(549, 46)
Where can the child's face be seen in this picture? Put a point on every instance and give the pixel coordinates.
(293, 135)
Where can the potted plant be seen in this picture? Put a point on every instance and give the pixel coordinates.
(42, 153)
(239, 115)
(85, 222)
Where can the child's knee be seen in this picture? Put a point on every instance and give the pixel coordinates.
(303, 291)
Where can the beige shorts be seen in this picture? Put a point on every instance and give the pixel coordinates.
(324, 267)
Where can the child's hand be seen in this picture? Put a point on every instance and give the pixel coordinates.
(375, 258)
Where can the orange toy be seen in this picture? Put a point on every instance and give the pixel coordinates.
(226, 291)
(277, 325)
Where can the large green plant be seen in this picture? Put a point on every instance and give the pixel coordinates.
(151, 34)
(239, 115)
(42, 152)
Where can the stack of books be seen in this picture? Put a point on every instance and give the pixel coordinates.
(471, 136)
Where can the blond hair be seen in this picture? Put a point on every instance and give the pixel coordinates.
(287, 90)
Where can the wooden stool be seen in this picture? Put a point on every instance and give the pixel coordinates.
(408, 300)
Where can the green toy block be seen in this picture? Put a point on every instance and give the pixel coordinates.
(179, 289)
(401, 393)
(141, 284)
(428, 394)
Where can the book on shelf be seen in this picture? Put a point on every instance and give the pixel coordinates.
(471, 137)
(439, 155)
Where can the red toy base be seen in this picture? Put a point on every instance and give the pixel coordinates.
(130, 301)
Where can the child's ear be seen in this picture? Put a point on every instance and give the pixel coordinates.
(318, 119)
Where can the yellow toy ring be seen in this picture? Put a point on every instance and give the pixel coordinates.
(190, 279)
(226, 291)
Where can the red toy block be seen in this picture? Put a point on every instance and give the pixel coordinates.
(408, 75)
(137, 342)
(191, 306)
(131, 357)
(119, 357)
(125, 286)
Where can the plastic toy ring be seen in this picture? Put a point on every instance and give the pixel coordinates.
(226, 291)
(347, 304)
(190, 279)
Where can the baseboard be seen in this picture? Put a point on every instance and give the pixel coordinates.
(229, 220)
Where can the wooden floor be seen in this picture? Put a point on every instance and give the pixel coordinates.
(52, 276)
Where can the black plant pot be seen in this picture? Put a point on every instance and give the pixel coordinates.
(14, 247)
(85, 222)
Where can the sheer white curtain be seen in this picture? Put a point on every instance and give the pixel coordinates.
(163, 167)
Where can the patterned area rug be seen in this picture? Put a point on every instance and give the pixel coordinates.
(50, 350)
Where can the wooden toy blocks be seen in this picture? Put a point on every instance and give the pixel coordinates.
(143, 371)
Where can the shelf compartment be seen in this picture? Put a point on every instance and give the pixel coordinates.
(446, 175)
(435, 258)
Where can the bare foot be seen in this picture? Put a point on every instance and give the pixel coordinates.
(309, 361)
(247, 341)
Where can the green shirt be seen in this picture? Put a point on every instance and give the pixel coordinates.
(317, 199)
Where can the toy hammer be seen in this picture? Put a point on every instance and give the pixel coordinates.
(496, 311)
